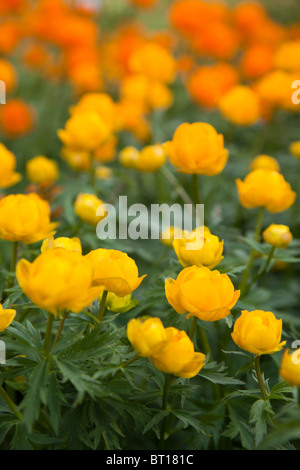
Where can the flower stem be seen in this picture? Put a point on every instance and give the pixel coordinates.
(102, 305)
(168, 379)
(12, 406)
(259, 377)
(60, 328)
(196, 190)
(244, 280)
(266, 266)
(48, 334)
(130, 361)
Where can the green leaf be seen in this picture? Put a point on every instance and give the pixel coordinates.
(260, 415)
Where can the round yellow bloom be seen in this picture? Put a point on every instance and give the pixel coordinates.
(70, 244)
(77, 159)
(100, 103)
(151, 158)
(154, 61)
(129, 156)
(240, 105)
(200, 292)
(103, 172)
(8, 75)
(8, 176)
(177, 355)
(152, 94)
(86, 207)
(199, 248)
(26, 218)
(258, 332)
(7, 315)
(84, 131)
(288, 56)
(197, 149)
(170, 234)
(57, 280)
(115, 271)
(265, 188)
(146, 335)
(290, 367)
(295, 149)
(278, 236)
(41, 169)
(266, 162)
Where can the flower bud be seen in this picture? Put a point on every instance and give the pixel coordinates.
(278, 236)
(6, 317)
(41, 169)
(86, 207)
(290, 367)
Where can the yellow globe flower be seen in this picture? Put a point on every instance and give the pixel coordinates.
(177, 355)
(115, 271)
(258, 332)
(265, 188)
(199, 248)
(70, 244)
(8, 176)
(278, 236)
(25, 218)
(295, 148)
(41, 169)
(202, 293)
(77, 159)
(58, 280)
(99, 103)
(154, 61)
(266, 162)
(197, 149)
(151, 158)
(168, 236)
(7, 315)
(84, 131)
(240, 105)
(290, 367)
(146, 335)
(128, 157)
(86, 207)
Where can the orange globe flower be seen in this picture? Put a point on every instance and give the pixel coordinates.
(16, 118)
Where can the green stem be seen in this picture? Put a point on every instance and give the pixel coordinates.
(48, 334)
(177, 186)
(298, 396)
(253, 252)
(93, 174)
(259, 377)
(12, 406)
(266, 266)
(196, 190)
(14, 256)
(193, 328)
(168, 379)
(60, 328)
(130, 361)
(102, 305)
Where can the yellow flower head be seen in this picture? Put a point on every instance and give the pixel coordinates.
(200, 292)
(295, 148)
(99, 103)
(170, 234)
(265, 188)
(290, 367)
(8, 176)
(115, 271)
(89, 208)
(208, 252)
(151, 158)
(70, 244)
(154, 61)
(128, 157)
(240, 105)
(146, 335)
(197, 149)
(177, 355)
(266, 162)
(41, 169)
(7, 315)
(25, 218)
(258, 332)
(77, 159)
(84, 131)
(278, 236)
(58, 279)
